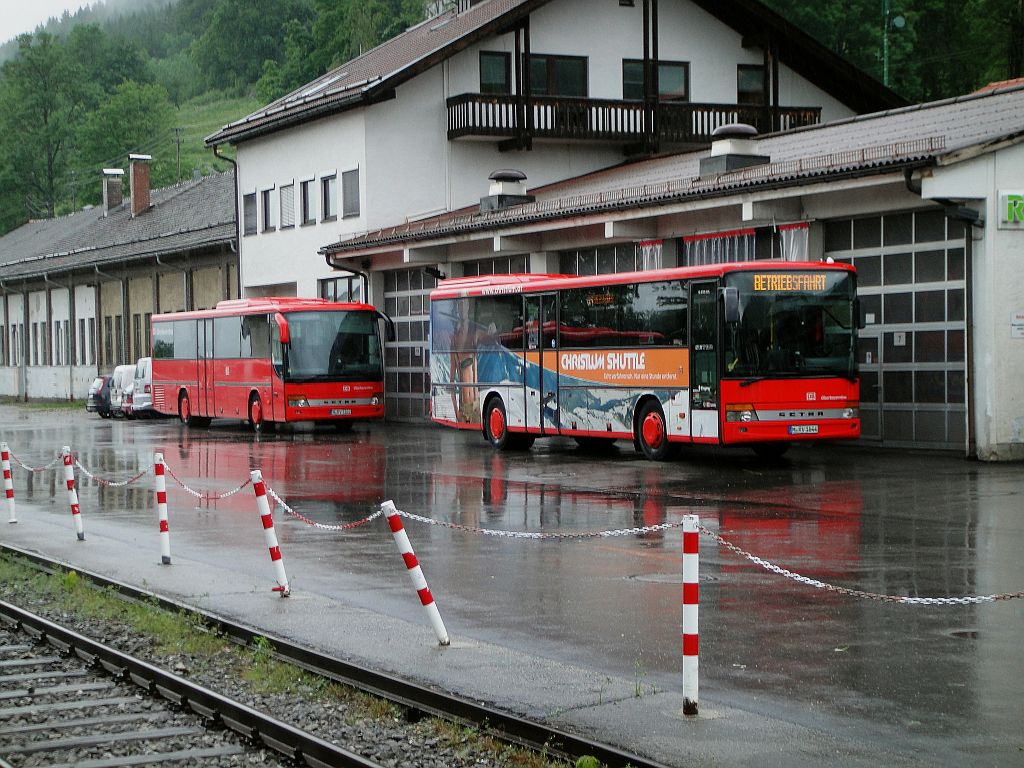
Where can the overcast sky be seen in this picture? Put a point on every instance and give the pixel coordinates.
(17, 16)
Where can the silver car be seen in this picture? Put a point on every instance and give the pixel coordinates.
(142, 391)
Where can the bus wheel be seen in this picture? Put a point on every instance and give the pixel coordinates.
(770, 450)
(652, 434)
(255, 412)
(496, 424)
(185, 410)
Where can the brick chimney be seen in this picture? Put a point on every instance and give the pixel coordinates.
(112, 194)
(140, 183)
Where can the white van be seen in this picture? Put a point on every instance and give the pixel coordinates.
(142, 392)
(123, 376)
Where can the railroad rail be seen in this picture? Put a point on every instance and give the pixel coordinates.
(418, 700)
(84, 702)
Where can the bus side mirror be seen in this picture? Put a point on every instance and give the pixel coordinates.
(282, 328)
(858, 313)
(731, 304)
(389, 326)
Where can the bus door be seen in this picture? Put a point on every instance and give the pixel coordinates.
(704, 405)
(207, 376)
(542, 362)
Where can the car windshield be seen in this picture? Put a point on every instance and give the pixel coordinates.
(334, 346)
(97, 384)
(792, 324)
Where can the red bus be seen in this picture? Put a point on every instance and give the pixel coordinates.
(753, 353)
(270, 360)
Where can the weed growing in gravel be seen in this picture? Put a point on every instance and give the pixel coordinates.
(184, 634)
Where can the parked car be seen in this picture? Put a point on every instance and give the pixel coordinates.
(123, 376)
(127, 399)
(142, 391)
(99, 396)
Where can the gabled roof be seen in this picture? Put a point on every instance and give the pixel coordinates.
(374, 75)
(910, 137)
(186, 216)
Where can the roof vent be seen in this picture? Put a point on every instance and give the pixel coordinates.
(508, 188)
(733, 146)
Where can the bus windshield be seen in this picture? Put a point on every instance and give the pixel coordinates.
(333, 346)
(792, 324)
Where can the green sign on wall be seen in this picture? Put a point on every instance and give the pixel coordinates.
(1011, 210)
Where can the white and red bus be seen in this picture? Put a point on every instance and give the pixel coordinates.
(270, 360)
(753, 353)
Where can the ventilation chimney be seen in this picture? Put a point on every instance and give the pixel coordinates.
(732, 147)
(508, 188)
(112, 194)
(140, 183)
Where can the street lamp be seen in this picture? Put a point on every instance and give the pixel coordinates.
(893, 22)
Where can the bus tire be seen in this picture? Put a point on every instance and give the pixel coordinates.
(770, 450)
(255, 412)
(185, 415)
(652, 432)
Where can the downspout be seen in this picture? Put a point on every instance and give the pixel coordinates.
(365, 277)
(238, 223)
(71, 330)
(23, 339)
(124, 307)
(970, 445)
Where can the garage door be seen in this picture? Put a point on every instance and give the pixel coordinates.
(912, 283)
(407, 358)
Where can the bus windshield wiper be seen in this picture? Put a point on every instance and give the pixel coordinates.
(752, 380)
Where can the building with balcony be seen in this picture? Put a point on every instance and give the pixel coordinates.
(552, 88)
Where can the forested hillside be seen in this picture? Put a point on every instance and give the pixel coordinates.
(155, 76)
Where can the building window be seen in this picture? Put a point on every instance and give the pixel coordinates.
(119, 338)
(750, 84)
(287, 206)
(495, 72)
(249, 212)
(329, 198)
(673, 80)
(81, 341)
(137, 333)
(350, 193)
(308, 204)
(267, 204)
(348, 288)
(148, 329)
(558, 75)
(3, 345)
(44, 345)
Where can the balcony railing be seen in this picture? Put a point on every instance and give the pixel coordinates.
(504, 117)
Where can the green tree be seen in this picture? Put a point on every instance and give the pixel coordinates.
(40, 106)
(134, 119)
(240, 37)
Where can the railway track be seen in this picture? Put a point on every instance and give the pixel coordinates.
(416, 700)
(66, 700)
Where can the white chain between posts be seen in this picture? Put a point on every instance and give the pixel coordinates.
(204, 496)
(906, 600)
(104, 481)
(26, 467)
(314, 523)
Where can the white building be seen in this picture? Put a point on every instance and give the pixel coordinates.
(413, 129)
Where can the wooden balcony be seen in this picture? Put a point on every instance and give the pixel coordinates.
(504, 117)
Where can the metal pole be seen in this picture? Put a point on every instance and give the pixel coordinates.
(691, 567)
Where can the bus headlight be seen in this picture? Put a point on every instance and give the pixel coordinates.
(851, 413)
(375, 401)
(740, 412)
(298, 401)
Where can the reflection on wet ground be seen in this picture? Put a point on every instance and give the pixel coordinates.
(886, 522)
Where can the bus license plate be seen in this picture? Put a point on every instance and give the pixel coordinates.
(348, 412)
(804, 429)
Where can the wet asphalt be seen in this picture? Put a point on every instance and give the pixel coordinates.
(581, 629)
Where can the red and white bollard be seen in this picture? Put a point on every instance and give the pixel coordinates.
(160, 487)
(8, 482)
(691, 567)
(412, 565)
(263, 506)
(69, 477)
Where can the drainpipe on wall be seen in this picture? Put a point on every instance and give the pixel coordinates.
(23, 338)
(71, 331)
(238, 224)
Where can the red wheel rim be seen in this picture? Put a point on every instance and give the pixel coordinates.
(185, 410)
(653, 430)
(256, 412)
(497, 423)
